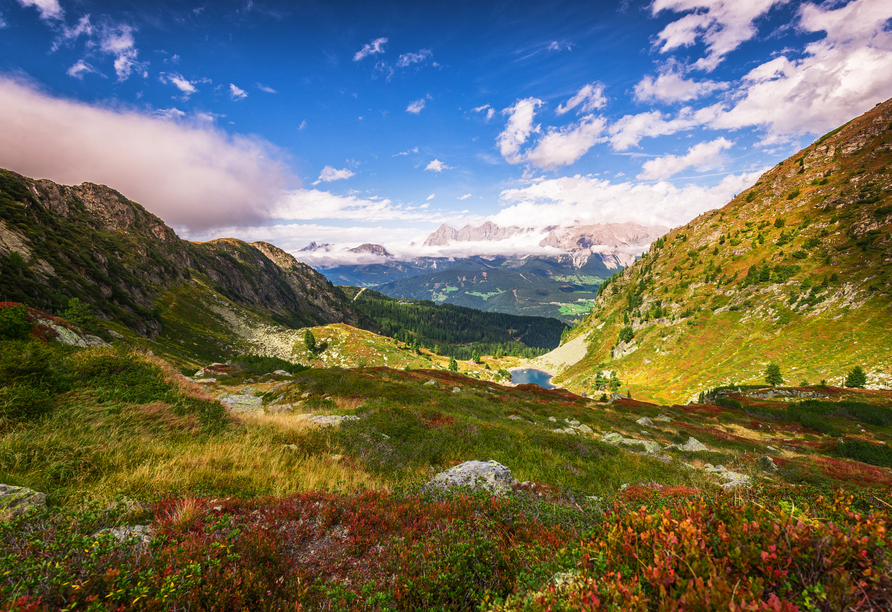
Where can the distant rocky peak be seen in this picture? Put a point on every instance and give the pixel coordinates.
(373, 249)
(313, 246)
(488, 232)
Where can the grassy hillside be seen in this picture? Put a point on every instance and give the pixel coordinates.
(794, 271)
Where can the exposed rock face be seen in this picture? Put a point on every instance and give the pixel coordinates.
(17, 500)
(488, 232)
(113, 254)
(613, 235)
(487, 475)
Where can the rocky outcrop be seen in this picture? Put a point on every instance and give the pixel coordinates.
(476, 475)
(372, 249)
(582, 238)
(18, 500)
(488, 232)
(648, 446)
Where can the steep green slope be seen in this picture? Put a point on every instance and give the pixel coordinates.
(454, 330)
(793, 271)
(90, 242)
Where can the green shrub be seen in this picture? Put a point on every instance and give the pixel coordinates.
(14, 323)
(873, 454)
(793, 194)
(259, 365)
(626, 334)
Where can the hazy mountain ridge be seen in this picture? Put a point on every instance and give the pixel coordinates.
(794, 270)
(91, 242)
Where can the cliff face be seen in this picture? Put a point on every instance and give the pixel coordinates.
(91, 242)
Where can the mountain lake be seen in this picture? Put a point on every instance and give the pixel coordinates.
(524, 376)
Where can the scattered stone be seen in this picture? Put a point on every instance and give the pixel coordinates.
(645, 422)
(650, 447)
(663, 418)
(241, 403)
(552, 419)
(617, 396)
(431, 382)
(72, 338)
(327, 419)
(289, 447)
(584, 429)
(566, 430)
(774, 450)
(456, 389)
(572, 422)
(487, 475)
(515, 417)
(17, 500)
(767, 464)
(612, 438)
(732, 479)
(693, 446)
(115, 335)
(204, 381)
(282, 373)
(142, 534)
(248, 391)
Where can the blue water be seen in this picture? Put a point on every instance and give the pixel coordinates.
(530, 375)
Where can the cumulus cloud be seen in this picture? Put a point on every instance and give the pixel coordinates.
(118, 41)
(839, 76)
(189, 173)
(83, 27)
(49, 9)
(589, 98)
(587, 200)
(79, 69)
(312, 204)
(702, 156)
(237, 93)
(561, 147)
(437, 166)
(412, 150)
(416, 106)
(407, 59)
(486, 108)
(373, 48)
(265, 88)
(330, 174)
(722, 25)
(518, 128)
(630, 129)
(464, 197)
(670, 86)
(186, 86)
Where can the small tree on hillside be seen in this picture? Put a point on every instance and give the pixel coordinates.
(453, 365)
(626, 334)
(310, 341)
(773, 375)
(856, 378)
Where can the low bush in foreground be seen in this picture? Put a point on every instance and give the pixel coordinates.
(673, 549)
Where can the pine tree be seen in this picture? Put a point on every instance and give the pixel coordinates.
(773, 375)
(310, 341)
(453, 365)
(856, 378)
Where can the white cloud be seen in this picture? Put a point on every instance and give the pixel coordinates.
(702, 156)
(437, 166)
(412, 150)
(416, 106)
(490, 111)
(330, 174)
(310, 204)
(169, 113)
(3, 23)
(554, 46)
(118, 41)
(407, 59)
(303, 125)
(265, 88)
(518, 129)
(560, 147)
(670, 86)
(589, 98)
(237, 93)
(49, 9)
(83, 28)
(373, 48)
(464, 197)
(628, 131)
(839, 76)
(79, 69)
(187, 172)
(179, 81)
(431, 197)
(587, 200)
(721, 24)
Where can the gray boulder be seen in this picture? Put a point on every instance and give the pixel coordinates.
(663, 418)
(17, 500)
(477, 475)
(648, 446)
(766, 463)
(241, 403)
(693, 446)
(327, 419)
(646, 422)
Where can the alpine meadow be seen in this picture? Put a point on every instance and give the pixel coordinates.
(275, 279)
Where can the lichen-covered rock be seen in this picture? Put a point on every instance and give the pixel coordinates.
(693, 446)
(327, 419)
(72, 338)
(17, 500)
(612, 438)
(241, 403)
(645, 422)
(649, 446)
(663, 418)
(477, 475)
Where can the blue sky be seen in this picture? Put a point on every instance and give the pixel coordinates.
(361, 122)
